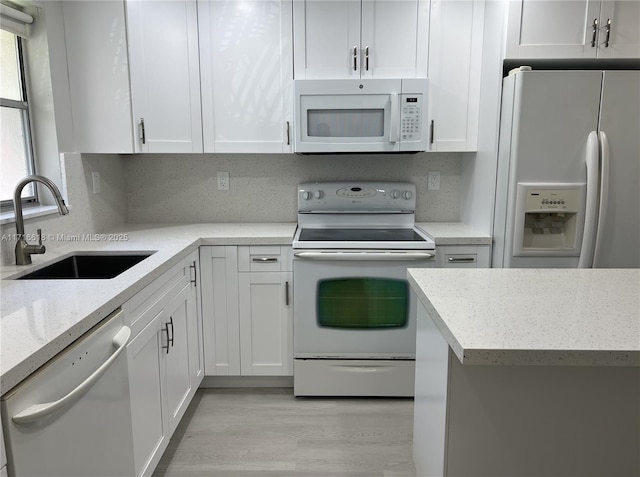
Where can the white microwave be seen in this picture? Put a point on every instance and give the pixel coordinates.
(361, 115)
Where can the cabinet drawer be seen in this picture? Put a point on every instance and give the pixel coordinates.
(149, 301)
(463, 256)
(264, 258)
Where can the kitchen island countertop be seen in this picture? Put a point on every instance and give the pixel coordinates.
(587, 317)
(39, 318)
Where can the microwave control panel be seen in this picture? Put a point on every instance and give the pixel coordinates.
(411, 117)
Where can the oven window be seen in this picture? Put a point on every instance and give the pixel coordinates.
(345, 122)
(363, 303)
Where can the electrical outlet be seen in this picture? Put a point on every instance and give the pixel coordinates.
(95, 178)
(223, 181)
(434, 180)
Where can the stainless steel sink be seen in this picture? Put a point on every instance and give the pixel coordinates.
(88, 266)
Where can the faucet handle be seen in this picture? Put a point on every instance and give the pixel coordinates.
(39, 248)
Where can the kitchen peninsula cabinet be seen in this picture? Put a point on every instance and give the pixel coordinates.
(455, 61)
(524, 372)
(247, 310)
(134, 75)
(165, 359)
(573, 29)
(247, 71)
(360, 39)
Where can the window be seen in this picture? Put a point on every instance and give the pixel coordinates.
(16, 158)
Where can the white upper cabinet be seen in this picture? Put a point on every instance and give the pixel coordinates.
(134, 75)
(573, 29)
(455, 61)
(360, 38)
(247, 73)
(98, 66)
(165, 76)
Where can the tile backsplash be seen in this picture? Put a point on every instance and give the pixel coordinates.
(172, 188)
(183, 188)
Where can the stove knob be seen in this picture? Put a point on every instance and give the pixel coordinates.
(407, 194)
(395, 194)
(306, 195)
(318, 194)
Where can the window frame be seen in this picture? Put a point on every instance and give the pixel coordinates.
(24, 107)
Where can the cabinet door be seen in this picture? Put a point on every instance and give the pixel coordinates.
(394, 38)
(455, 57)
(165, 81)
(147, 383)
(194, 324)
(220, 322)
(175, 324)
(327, 38)
(552, 29)
(98, 68)
(247, 73)
(266, 323)
(624, 29)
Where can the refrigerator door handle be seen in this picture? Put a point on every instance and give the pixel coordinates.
(591, 206)
(604, 196)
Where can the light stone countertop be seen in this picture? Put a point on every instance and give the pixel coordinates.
(454, 233)
(39, 318)
(575, 317)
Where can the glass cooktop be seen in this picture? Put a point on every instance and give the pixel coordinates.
(360, 235)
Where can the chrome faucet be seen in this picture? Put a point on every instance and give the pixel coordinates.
(23, 249)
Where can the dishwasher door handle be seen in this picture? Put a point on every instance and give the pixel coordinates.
(365, 255)
(38, 411)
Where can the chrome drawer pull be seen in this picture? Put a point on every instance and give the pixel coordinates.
(461, 259)
(264, 259)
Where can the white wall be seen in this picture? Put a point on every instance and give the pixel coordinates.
(183, 188)
(90, 213)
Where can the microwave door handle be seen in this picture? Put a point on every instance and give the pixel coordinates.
(393, 130)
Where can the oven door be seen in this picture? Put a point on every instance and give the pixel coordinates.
(355, 304)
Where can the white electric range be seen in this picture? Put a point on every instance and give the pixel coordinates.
(354, 314)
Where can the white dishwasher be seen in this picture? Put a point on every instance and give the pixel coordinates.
(72, 417)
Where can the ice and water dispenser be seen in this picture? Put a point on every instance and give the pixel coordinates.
(549, 219)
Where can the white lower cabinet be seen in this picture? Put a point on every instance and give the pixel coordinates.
(247, 310)
(463, 256)
(165, 359)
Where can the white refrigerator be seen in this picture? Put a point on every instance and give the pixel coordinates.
(568, 179)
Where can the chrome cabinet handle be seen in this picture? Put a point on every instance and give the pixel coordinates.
(461, 259)
(143, 133)
(432, 131)
(608, 30)
(166, 330)
(288, 134)
(172, 330)
(366, 58)
(355, 58)
(594, 26)
(264, 259)
(194, 280)
(286, 293)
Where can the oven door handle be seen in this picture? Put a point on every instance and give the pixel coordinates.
(365, 255)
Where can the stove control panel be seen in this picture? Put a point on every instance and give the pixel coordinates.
(353, 197)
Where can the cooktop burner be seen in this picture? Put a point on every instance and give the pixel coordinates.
(360, 235)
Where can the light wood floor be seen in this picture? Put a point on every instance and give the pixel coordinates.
(270, 433)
